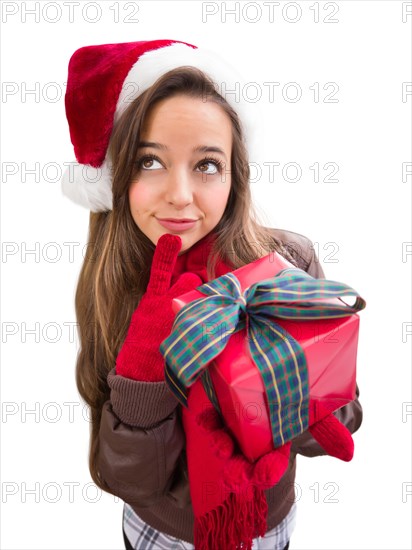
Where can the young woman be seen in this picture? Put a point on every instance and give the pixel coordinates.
(162, 163)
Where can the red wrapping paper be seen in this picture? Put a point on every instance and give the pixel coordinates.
(330, 347)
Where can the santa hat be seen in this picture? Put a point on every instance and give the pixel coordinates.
(102, 82)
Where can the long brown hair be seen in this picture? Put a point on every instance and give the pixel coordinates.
(116, 268)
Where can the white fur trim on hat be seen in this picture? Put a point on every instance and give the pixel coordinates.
(88, 186)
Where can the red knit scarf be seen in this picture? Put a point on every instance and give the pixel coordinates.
(223, 520)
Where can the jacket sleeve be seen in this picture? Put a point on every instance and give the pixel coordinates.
(351, 414)
(140, 440)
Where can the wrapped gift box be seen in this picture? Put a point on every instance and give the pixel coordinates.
(236, 384)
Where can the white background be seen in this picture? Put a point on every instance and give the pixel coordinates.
(359, 225)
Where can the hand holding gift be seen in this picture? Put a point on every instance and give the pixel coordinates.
(262, 358)
(239, 473)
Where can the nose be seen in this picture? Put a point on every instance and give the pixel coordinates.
(179, 189)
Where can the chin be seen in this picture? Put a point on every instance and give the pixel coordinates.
(187, 243)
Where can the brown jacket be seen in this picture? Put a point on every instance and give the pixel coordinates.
(142, 455)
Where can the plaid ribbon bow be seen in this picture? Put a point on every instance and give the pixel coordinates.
(291, 294)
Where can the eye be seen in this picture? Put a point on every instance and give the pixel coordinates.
(217, 163)
(145, 162)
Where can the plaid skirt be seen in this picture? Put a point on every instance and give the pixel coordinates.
(138, 535)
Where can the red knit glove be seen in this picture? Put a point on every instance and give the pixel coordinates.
(239, 473)
(152, 320)
(331, 434)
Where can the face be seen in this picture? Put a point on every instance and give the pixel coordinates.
(184, 174)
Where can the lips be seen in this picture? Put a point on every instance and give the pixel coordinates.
(176, 224)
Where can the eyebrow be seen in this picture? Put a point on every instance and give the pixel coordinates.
(198, 149)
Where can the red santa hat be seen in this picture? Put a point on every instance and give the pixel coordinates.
(102, 82)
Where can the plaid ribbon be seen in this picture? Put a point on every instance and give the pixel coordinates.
(291, 294)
